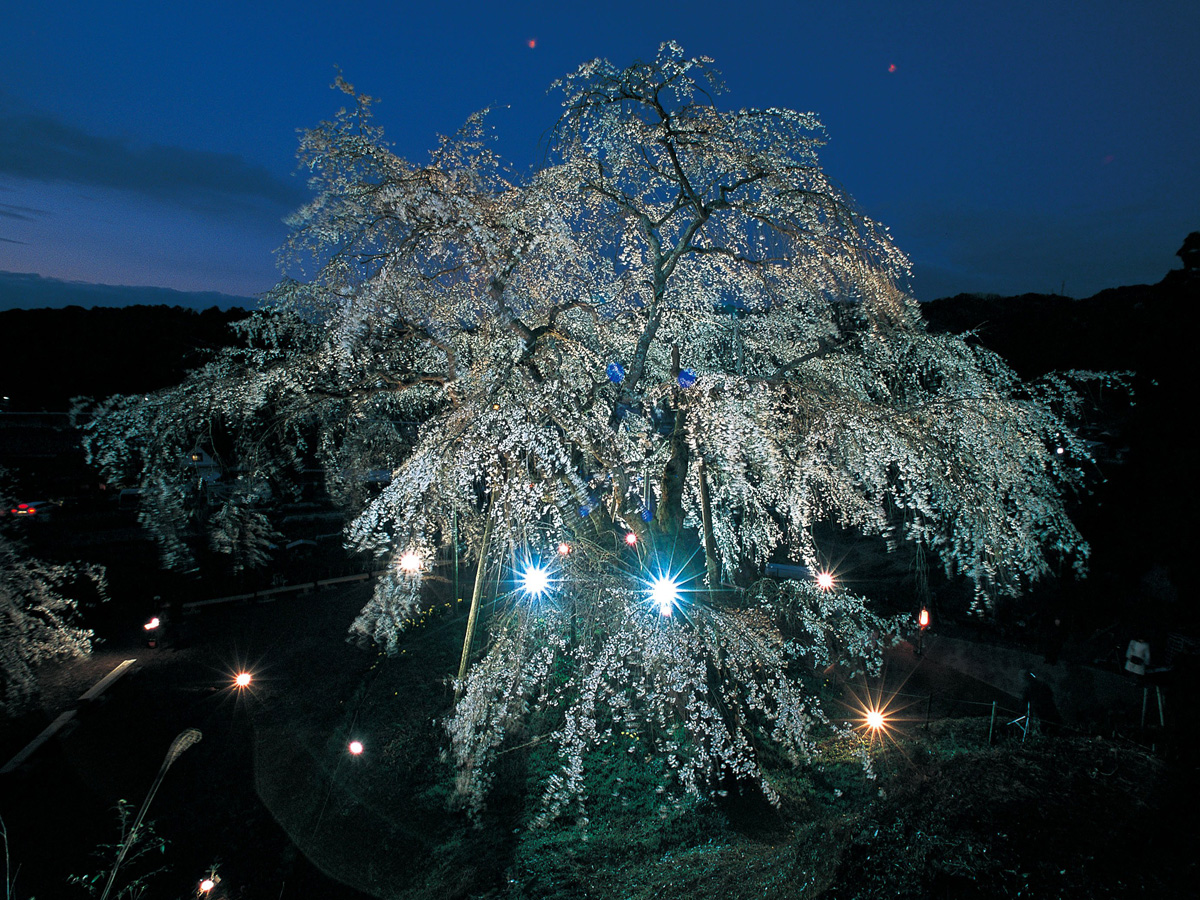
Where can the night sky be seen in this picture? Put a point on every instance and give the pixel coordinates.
(1011, 147)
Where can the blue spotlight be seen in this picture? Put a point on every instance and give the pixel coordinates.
(535, 580)
(664, 593)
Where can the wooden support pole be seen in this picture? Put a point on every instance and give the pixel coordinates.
(710, 541)
(473, 616)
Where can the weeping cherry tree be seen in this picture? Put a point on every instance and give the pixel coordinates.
(638, 374)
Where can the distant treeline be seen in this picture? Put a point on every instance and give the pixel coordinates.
(1138, 328)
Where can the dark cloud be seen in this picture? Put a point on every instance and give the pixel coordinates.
(24, 213)
(41, 148)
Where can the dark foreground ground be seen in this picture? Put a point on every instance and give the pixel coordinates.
(59, 806)
(1062, 814)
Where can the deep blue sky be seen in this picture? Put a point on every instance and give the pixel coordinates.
(1015, 146)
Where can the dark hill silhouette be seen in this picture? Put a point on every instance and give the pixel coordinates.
(1144, 487)
(52, 355)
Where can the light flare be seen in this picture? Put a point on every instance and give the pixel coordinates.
(664, 594)
(535, 580)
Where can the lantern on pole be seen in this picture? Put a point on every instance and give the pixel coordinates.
(923, 622)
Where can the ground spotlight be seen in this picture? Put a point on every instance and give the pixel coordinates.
(535, 580)
(410, 562)
(152, 624)
(564, 549)
(631, 539)
(242, 680)
(664, 593)
(825, 581)
(875, 719)
(355, 748)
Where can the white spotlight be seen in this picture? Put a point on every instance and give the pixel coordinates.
(664, 593)
(535, 580)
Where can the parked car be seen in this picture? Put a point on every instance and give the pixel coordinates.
(34, 510)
